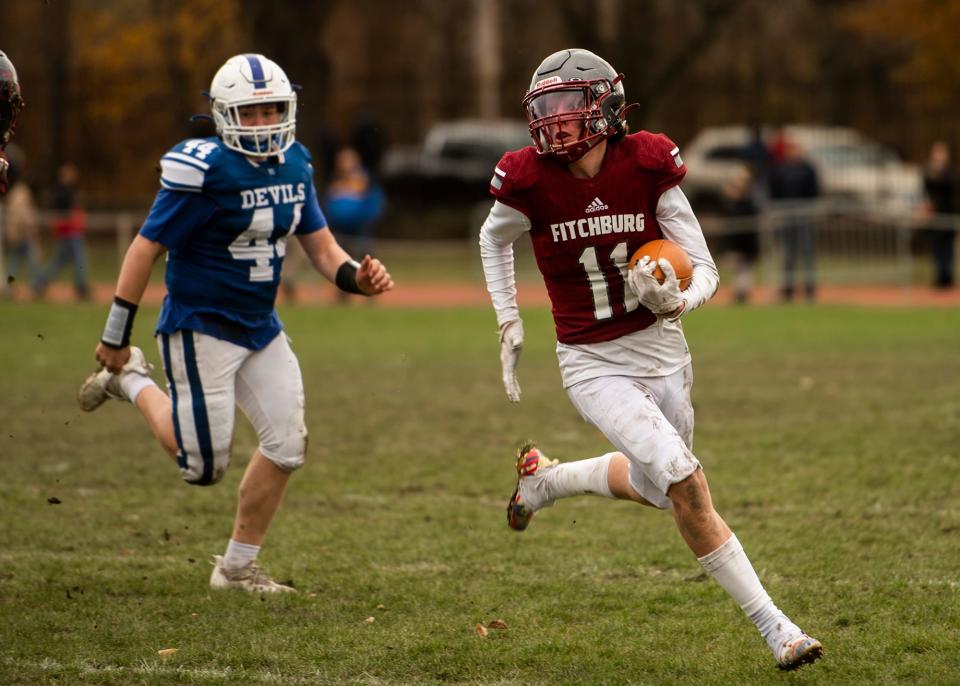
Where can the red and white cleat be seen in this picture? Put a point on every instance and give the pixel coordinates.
(531, 467)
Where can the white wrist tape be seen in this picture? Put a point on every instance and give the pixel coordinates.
(116, 332)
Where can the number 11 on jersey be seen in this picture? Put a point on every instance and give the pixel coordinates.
(599, 288)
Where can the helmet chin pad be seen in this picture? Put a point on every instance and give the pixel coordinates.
(261, 144)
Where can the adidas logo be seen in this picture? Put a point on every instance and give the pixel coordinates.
(596, 206)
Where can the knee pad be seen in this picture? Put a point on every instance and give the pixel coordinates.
(199, 471)
(195, 476)
(290, 453)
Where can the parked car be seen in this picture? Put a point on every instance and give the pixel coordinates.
(455, 161)
(852, 168)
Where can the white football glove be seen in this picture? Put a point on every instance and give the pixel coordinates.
(511, 343)
(660, 298)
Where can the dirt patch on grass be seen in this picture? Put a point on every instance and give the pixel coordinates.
(423, 295)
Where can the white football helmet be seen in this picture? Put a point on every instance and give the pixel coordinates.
(251, 80)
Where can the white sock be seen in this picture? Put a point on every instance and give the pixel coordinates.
(580, 478)
(132, 384)
(729, 565)
(239, 554)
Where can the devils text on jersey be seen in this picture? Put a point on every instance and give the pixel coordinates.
(225, 220)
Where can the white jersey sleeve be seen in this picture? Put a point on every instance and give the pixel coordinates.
(502, 227)
(680, 225)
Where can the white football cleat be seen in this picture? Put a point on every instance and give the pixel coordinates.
(800, 651)
(251, 578)
(102, 385)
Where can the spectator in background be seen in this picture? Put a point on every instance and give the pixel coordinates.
(759, 158)
(20, 229)
(940, 188)
(793, 188)
(368, 140)
(739, 207)
(69, 229)
(353, 203)
(324, 149)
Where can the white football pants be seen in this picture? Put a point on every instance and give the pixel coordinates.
(208, 377)
(650, 420)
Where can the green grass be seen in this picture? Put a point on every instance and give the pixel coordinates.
(829, 436)
(417, 262)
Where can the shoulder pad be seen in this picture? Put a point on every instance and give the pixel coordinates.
(514, 172)
(656, 152)
(301, 150)
(185, 166)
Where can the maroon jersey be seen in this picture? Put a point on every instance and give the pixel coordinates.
(585, 230)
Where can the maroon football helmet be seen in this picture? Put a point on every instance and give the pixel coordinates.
(575, 100)
(11, 101)
(10, 105)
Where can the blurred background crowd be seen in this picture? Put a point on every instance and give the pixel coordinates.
(818, 134)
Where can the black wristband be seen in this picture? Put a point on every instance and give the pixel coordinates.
(347, 277)
(116, 333)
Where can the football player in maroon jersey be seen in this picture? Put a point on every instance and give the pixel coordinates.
(588, 195)
(10, 105)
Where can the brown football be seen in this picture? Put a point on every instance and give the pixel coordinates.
(670, 251)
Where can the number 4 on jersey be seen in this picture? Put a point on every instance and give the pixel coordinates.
(254, 243)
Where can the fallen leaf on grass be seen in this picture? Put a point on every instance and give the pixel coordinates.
(167, 652)
(497, 624)
(481, 630)
(369, 620)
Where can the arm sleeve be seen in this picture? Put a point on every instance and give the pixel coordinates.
(175, 215)
(680, 225)
(502, 227)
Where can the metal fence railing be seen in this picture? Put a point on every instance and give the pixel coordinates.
(120, 226)
(851, 246)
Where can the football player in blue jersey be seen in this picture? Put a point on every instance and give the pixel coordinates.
(226, 207)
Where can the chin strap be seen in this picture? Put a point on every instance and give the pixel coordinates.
(627, 110)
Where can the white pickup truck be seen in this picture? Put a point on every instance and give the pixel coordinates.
(456, 159)
(853, 169)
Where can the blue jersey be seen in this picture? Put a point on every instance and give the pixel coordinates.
(225, 221)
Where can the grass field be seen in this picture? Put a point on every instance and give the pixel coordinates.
(456, 260)
(830, 436)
